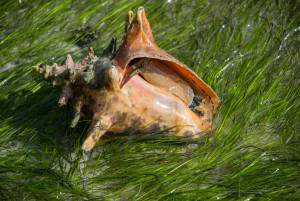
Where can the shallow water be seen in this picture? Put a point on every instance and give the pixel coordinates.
(247, 51)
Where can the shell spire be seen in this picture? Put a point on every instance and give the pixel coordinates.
(65, 75)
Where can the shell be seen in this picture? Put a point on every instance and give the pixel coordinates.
(153, 94)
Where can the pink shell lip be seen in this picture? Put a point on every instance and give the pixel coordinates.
(138, 43)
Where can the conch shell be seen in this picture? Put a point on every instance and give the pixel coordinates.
(138, 86)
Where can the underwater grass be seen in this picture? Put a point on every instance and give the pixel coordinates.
(247, 51)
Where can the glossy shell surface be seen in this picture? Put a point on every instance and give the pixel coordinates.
(138, 45)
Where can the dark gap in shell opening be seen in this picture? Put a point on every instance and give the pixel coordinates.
(195, 103)
(142, 76)
(135, 60)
